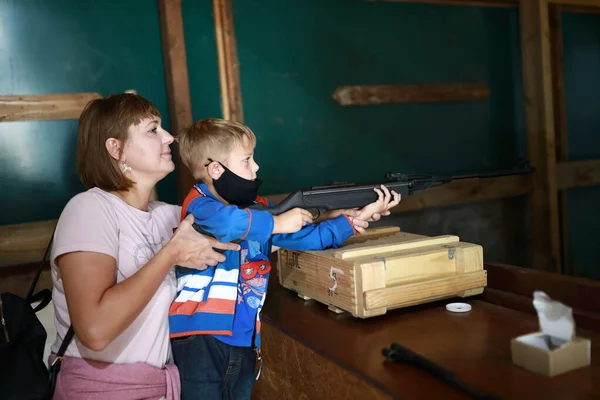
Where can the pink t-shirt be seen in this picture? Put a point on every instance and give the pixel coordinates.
(101, 222)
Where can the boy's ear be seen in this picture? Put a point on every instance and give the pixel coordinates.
(215, 170)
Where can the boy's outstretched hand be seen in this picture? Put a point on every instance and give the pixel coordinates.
(360, 218)
(372, 212)
(380, 207)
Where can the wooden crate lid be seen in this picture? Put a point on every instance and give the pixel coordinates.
(379, 241)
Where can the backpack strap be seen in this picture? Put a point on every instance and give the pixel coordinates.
(55, 366)
(39, 271)
(45, 296)
(65, 343)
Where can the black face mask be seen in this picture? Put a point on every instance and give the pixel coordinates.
(235, 189)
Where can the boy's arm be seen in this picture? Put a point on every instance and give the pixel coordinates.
(228, 223)
(330, 233)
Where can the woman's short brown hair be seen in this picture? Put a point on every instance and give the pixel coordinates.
(101, 119)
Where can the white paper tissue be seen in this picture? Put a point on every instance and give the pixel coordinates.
(556, 320)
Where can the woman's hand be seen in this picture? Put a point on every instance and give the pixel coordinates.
(194, 250)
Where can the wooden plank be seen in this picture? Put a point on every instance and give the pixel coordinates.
(479, 3)
(579, 9)
(178, 87)
(39, 107)
(389, 94)
(578, 3)
(286, 357)
(577, 174)
(35, 236)
(458, 192)
(424, 291)
(229, 74)
(539, 127)
(575, 292)
(583, 319)
(24, 243)
(17, 279)
(560, 122)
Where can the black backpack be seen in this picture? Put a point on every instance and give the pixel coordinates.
(23, 371)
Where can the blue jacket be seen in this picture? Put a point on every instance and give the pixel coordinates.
(208, 300)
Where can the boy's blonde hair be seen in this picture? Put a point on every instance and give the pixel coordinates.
(212, 138)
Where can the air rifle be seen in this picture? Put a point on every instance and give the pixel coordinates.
(350, 195)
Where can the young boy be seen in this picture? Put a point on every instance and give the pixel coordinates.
(214, 321)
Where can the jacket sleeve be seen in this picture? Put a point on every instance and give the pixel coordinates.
(330, 233)
(228, 223)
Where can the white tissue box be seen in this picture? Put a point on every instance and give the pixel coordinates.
(531, 352)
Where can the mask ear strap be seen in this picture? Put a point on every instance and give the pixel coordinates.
(210, 160)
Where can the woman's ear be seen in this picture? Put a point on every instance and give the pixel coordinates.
(113, 146)
(215, 170)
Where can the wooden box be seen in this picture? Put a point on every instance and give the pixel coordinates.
(383, 270)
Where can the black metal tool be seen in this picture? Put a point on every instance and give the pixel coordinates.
(398, 353)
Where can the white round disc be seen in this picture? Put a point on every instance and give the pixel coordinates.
(458, 307)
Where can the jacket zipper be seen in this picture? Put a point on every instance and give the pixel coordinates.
(3, 322)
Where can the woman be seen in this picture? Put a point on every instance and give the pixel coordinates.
(113, 255)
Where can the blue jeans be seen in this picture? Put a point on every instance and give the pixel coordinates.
(213, 370)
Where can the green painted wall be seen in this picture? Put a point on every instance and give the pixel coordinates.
(294, 54)
(203, 66)
(581, 42)
(65, 46)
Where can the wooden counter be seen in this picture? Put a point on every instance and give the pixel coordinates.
(311, 353)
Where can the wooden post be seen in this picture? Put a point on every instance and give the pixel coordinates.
(229, 73)
(539, 126)
(178, 87)
(560, 124)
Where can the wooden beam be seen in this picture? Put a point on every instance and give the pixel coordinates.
(178, 87)
(481, 3)
(387, 94)
(229, 74)
(577, 3)
(38, 107)
(513, 287)
(17, 279)
(571, 174)
(539, 127)
(560, 123)
(24, 243)
(579, 9)
(494, 3)
(458, 192)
